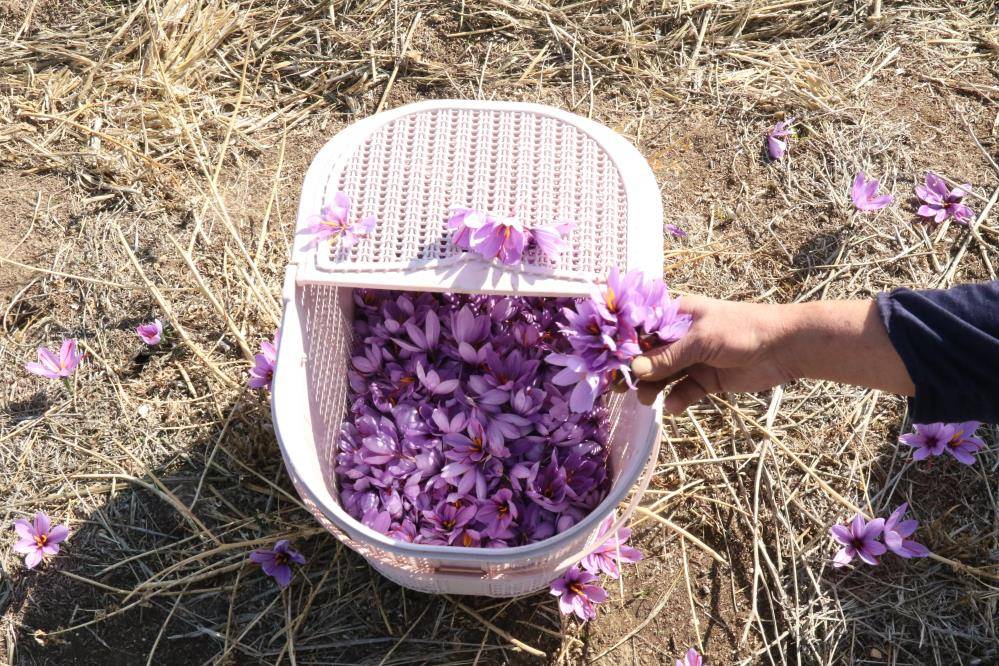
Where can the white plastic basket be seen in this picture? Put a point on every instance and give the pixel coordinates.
(408, 167)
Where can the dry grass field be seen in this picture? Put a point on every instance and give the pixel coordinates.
(151, 153)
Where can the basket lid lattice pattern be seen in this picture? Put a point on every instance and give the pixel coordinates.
(412, 170)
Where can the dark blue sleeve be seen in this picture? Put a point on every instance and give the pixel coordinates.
(949, 342)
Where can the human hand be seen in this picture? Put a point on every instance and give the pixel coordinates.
(747, 347)
(730, 347)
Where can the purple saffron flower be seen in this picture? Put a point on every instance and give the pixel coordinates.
(500, 238)
(929, 439)
(613, 551)
(38, 538)
(577, 592)
(551, 238)
(863, 192)
(433, 382)
(548, 488)
(776, 138)
(896, 531)
(675, 231)
(939, 202)
(150, 333)
(962, 444)
(498, 512)
(262, 372)
(619, 296)
(277, 562)
(444, 524)
(333, 222)
(859, 539)
(463, 223)
(56, 367)
(660, 313)
(692, 658)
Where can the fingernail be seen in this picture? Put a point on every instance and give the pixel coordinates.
(641, 366)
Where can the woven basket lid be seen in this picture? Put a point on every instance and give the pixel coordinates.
(409, 167)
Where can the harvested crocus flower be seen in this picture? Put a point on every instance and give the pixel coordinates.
(150, 333)
(692, 658)
(863, 193)
(928, 439)
(456, 433)
(577, 591)
(607, 331)
(462, 223)
(56, 367)
(962, 444)
(551, 238)
(675, 231)
(262, 372)
(276, 562)
(776, 138)
(859, 539)
(333, 223)
(612, 552)
(500, 238)
(941, 202)
(38, 538)
(896, 531)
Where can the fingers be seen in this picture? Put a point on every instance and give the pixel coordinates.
(647, 391)
(687, 392)
(663, 362)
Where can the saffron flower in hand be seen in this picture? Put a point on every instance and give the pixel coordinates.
(962, 444)
(614, 550)
(691, 659)
(776, 138)
(150, 333)
(56, 367)
(277, 562)
(863, 192)
(896, 531)
(333, 223)
(38, 538)
(940, 202)
(262, 372)
(859, 539)
(577, 592)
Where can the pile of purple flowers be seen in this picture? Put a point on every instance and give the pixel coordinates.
(458, 433)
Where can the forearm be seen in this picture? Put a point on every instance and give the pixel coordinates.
(841, 341)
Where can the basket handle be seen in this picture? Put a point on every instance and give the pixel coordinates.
(636, 496)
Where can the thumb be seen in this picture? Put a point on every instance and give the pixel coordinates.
(667, 361)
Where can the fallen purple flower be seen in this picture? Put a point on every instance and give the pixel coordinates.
(577, 592)
(56, 367)
(38, 538)
(150, 333)
(277, 562)
(896, 531)
(262, 372)
(502, 238)
(776, 138)
(863, 194)
(675, 231)
(859, 539)
(551, 239)
(612, 552)
(940, 202)
(333, 223)
(692, 658)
